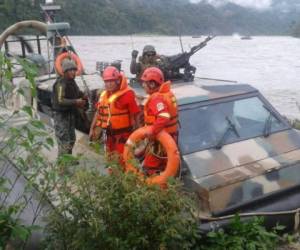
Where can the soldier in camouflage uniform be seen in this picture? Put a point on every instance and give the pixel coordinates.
(66, 98)
(148, 59)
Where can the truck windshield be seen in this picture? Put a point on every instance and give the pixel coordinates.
(202, 127)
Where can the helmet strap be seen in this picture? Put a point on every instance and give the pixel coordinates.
(153, 85)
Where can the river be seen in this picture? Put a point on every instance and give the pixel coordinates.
(271, 64)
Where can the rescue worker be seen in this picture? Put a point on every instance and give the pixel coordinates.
(160, 111)
(66, 98)
(148, 59)
(117, 111)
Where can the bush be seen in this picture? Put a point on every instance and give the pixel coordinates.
(241, 235)
(11, 228)
(22, 138)
(119, 211)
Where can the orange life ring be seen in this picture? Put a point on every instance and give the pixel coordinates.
(72, 56)
(170, 147)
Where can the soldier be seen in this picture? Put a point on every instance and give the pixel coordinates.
(66, 98)
(160, 111)
(148, 59)
(117, 111)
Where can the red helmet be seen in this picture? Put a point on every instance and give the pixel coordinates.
(111, 73)
(153, 74)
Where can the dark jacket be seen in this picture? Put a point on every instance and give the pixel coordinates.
(64, 95)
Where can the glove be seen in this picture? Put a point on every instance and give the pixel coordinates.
(134, 54)
(80, 103)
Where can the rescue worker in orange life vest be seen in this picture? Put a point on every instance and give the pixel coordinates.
(160, 111)
(117, 111)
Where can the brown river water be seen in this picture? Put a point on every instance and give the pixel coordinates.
(271, 64)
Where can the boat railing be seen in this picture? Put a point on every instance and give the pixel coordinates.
(24, 43)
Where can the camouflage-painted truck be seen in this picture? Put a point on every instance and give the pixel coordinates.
(238, 153)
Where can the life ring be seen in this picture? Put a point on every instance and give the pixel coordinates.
(72, 56)
(168, 144)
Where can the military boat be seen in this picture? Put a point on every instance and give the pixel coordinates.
(246, 38)
(238, 153)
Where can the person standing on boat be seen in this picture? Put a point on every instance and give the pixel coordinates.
(117, 111)
(160, 111)
(148, 59)
(66, 98)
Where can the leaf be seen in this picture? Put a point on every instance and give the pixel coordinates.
(279, 228)
(34, 228)
(30, 136)
(2, 181)
(4, 190)
(33, 92)
(28, 110)
(20, 232)
(38, 124)
(21, 91)
(50, 141)
(26, 145)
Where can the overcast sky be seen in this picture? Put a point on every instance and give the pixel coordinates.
(259, 4)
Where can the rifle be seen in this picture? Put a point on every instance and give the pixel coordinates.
(181, 61)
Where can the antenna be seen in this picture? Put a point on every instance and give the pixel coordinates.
(132, 44)
(179, 36)
(181, 43)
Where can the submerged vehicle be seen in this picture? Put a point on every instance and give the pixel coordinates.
(238, 154)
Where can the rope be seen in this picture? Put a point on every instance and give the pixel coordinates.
(151, 150)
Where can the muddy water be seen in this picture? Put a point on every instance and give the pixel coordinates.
(271, 64)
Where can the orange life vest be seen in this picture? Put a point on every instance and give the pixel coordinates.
(109, 115)
(170, 100)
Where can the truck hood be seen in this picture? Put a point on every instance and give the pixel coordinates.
(244, 171)
(212, 161)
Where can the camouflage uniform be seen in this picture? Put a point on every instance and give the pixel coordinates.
(65, 93)
(144, 61)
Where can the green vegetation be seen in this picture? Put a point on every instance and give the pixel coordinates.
(20, 147)
(243, 236)
(170, 17)
(11, 228)
(119, 211)
(19, 157)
